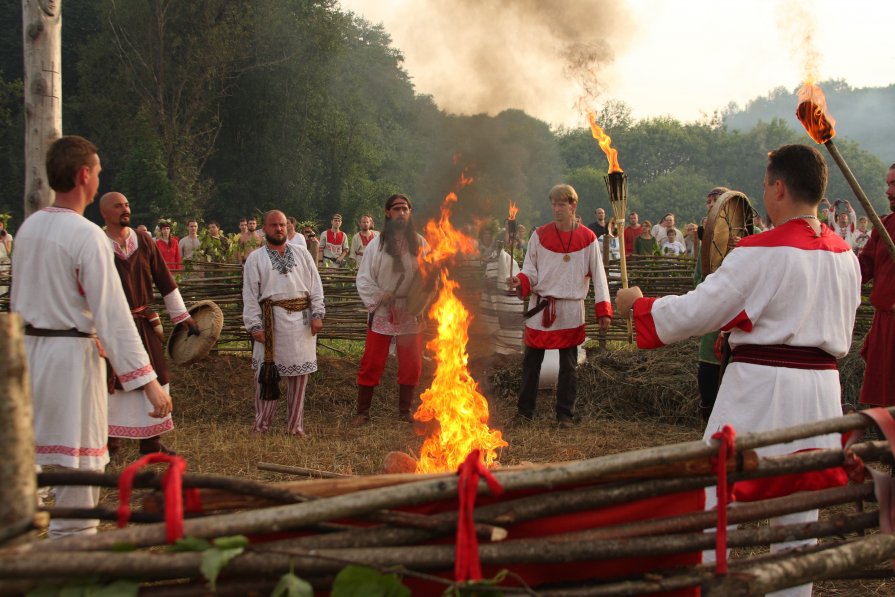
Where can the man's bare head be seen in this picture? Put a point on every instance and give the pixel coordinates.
(115, 209)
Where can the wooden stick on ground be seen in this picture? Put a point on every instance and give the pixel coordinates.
(298, 470)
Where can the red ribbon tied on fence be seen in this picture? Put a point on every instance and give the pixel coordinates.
(467, 565)
(727, 435)
(172, 485)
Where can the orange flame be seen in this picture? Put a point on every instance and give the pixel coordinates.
(812, 113)
(456, 411)
(513, 210)
(453, 399)
(605, 142)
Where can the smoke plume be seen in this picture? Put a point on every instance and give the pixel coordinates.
(796, 23)
(486, 56)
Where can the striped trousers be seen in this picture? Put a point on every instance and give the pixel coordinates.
(295, 405)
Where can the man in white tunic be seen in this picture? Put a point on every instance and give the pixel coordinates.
(283, 310)
(70, 297)
(384, 281)
(141, 267)
(563, 259)
(363, 237)
(788, 297)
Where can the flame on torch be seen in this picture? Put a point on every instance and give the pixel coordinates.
(812, 113)
(513, 210)
(605, 142)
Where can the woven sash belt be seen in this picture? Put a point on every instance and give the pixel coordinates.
(780, 355)
(269, 376)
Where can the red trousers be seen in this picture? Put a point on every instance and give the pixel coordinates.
(410, 359)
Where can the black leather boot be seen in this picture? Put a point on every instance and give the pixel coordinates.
(364, 400)
(405, 403)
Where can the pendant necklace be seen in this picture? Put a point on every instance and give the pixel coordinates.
(568, 245)
(804, 217)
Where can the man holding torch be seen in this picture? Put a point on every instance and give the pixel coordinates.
(562, 259)
(878, 350)
(771, 293)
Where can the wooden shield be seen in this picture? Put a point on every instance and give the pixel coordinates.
(730, 217)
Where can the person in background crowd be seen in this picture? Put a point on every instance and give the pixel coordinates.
(645, 244)
(5, 252)
(190, 244)
(140, 265)
(168, 246)
(293, 236)
(335, 244)
(599, 227)
(363, 237)
(878, 350)
(219, 243)
(708, 365)
(563, 259)
(313, 243)
(757, 224)
(141, 228)
(861, 235)
(660, 230)
(252, 227)
(384, 279)
(691, 239)
(844, 223)
(283, 311)
(789, 297)
(249, 239)
(632, 231)
(69, 296)
(670, 246)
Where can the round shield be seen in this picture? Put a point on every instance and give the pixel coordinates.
(184, 349)
(729, 219)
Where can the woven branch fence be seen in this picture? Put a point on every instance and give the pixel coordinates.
(346, 317)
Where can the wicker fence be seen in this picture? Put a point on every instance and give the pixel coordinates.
(346, 317)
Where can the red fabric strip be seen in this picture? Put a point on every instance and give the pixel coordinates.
(467, 565)
(727, 435)
(741, 321)
(172, 485)
(799, 235)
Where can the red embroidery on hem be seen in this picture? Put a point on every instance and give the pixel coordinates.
(70, 451)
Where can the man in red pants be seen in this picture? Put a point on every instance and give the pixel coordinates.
(385, 276)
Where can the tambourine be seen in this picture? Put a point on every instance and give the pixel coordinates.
(730, 217)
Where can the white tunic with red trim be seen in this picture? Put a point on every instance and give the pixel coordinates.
(785, 286)
(548, 272)
(65, 278)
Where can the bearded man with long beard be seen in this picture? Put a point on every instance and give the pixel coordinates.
(384, 279)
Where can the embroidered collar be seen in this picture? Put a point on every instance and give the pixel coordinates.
(130, 246)
(282, 263)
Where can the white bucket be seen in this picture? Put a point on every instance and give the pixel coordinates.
(550, 367)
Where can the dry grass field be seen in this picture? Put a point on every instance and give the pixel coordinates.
(626, 400)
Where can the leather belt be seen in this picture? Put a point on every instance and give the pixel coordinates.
(72, 333)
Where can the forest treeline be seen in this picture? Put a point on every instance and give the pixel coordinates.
(224, 108)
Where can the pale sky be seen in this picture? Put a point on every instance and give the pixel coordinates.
(682, 58)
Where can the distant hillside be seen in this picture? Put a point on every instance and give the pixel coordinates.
(862, 115)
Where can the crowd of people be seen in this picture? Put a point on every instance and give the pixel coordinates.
(90, 306)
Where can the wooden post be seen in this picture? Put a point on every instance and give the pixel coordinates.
(42, 43)
(18, 486)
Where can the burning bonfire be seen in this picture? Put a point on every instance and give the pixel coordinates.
(455, 411)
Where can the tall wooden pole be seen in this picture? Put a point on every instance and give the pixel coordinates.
(42, 44)
(18, 486)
